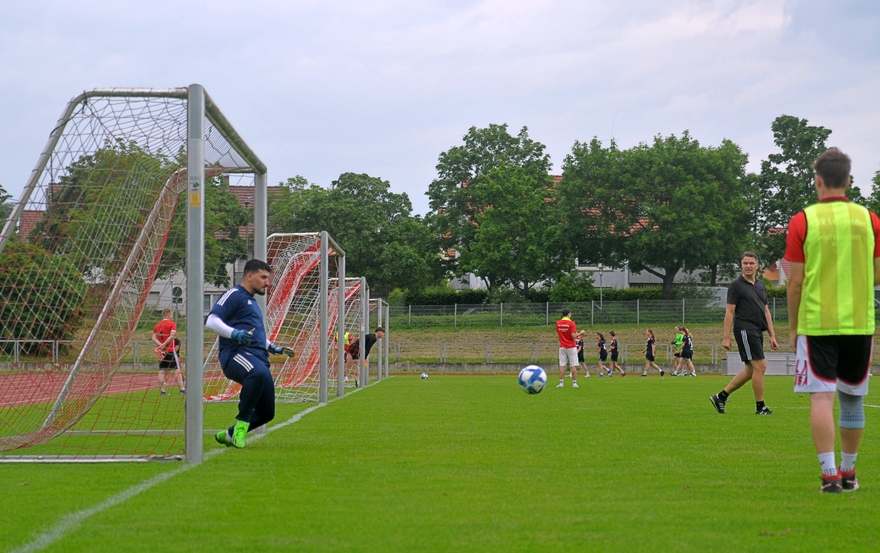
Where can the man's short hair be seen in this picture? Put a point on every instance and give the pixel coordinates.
(751, 254)
(834, 167)
(379, 329)
(566, 312)
(255, 266)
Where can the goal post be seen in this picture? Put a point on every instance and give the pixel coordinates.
(89, 237)
(311, 307)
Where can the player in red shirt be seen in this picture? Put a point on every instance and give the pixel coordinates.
(164, 336)
(567, 331)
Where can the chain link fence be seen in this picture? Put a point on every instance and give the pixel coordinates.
(640, 312)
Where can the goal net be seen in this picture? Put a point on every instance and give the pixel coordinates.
(102, 216)
(293, 318)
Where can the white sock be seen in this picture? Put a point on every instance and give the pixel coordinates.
(828, 464)
(848, 461)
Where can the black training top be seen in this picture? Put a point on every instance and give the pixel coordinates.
(750, 301)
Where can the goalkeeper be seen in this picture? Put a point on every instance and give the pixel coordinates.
(244, 351)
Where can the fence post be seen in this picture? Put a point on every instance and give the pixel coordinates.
(774, 309)
(682, 310)
(502, 314)
(409, 321)
(638, 313)
(455, 317)
(592, 310)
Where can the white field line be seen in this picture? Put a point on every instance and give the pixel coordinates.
(72, 521)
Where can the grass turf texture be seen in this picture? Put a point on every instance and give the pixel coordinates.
(473, 463)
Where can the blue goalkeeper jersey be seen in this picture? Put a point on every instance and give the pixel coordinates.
(238, 309)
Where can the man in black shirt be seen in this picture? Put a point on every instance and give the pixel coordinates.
(369, 340)
(747, 312)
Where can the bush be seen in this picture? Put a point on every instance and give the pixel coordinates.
(445, 295)
(42, 296)
(576, 287)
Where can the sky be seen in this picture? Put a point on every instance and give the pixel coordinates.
(383, 87)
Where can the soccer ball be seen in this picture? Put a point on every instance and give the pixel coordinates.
(532, 379)
(424, 376)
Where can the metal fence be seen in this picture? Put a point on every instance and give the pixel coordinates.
(547, 352)
(647, 312)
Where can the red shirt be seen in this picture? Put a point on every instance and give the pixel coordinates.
(564, 328)
(797, 233)
(162, 330)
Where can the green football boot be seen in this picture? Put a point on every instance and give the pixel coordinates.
(239, 434)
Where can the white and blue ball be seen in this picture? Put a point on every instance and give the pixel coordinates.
(424, 376)
(532, 379)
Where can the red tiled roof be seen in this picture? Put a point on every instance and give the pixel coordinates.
(27, 222)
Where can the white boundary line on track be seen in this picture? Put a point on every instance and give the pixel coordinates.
(72, 521)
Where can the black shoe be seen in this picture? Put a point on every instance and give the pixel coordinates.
(848, 481)
(831, 486)
(717, 403)
(662, 373)
(763, 411)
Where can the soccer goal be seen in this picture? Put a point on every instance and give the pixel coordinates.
(304, 308)
(115, 201)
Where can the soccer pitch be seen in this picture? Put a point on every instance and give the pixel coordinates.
(471, 463)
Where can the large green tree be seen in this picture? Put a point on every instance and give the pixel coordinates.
(784, 185)
(493, 202)
(660, 207)
(96, 208)
(382, 240)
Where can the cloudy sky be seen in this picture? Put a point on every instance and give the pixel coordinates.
(318, 88)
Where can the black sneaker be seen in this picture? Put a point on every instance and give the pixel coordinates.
(719, 405)
(662, 373)
(763, 411)
(848, 481)
(831, 486)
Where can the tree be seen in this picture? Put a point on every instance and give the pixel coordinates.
(382, 240)
(224, 216)
(873, 201)
(110, 192)
(5, 206)
(43, 296)
(660, 208)
(93, 207)
(493, 202)
(785, 184)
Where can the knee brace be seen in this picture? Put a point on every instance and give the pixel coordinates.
(852, 411)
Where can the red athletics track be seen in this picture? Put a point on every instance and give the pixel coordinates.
(25, 388)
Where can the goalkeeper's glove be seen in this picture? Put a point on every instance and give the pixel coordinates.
(278, 350)
(242, 337)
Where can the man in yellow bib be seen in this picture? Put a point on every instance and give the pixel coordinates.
(835, 263)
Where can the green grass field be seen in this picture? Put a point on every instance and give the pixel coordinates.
(470, 463)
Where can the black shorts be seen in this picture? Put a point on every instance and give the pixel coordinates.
(677, 354)
(167, 362)
(649, 357)
(845, 358)
(750, 344)
(603, 355)
(581, 356)
(614, 355)
(687, 354)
